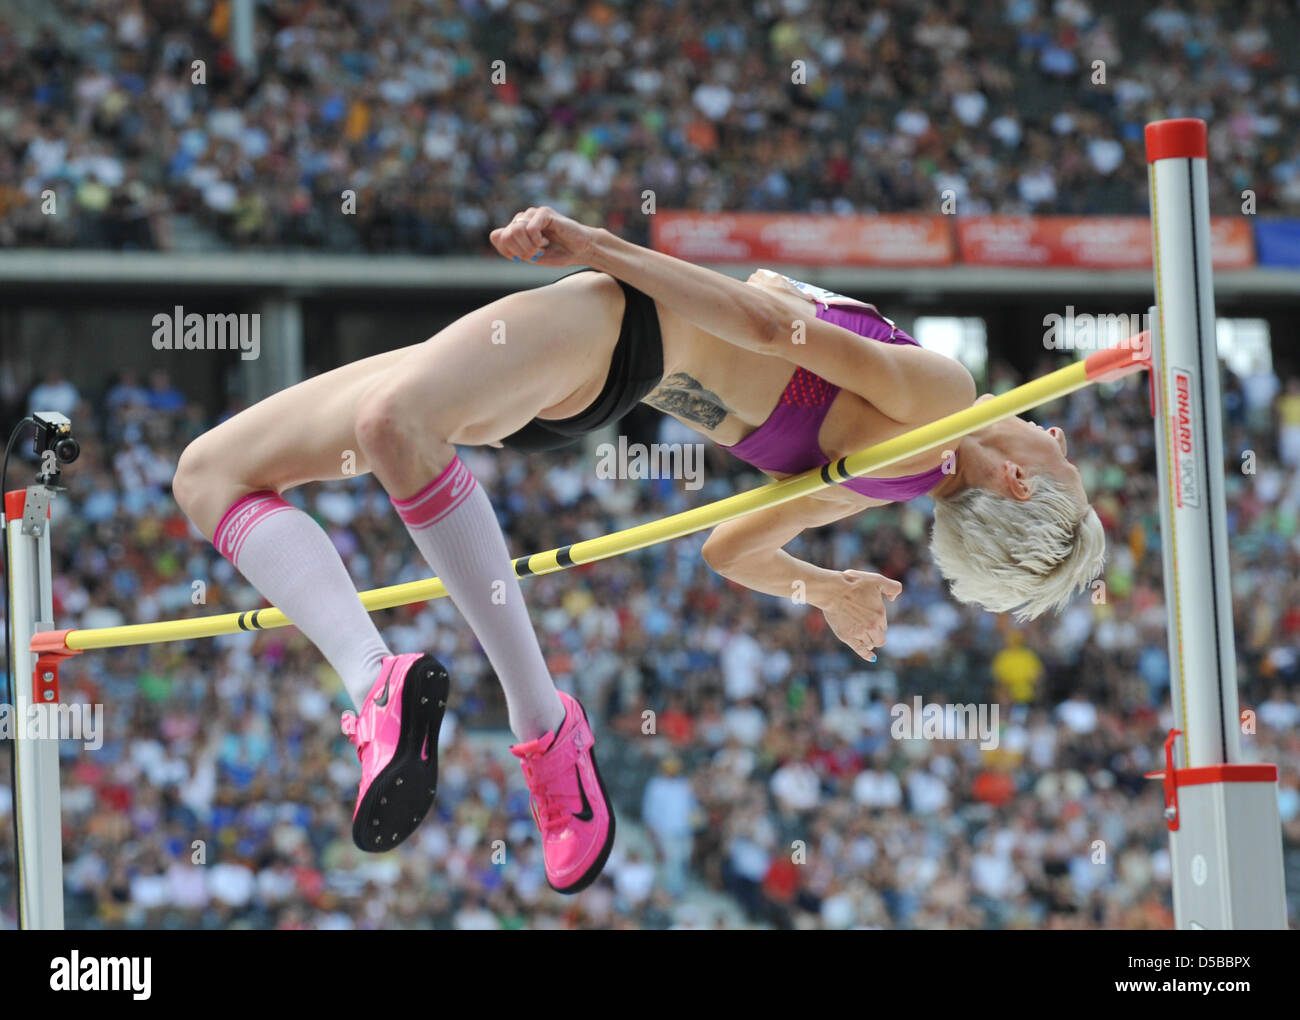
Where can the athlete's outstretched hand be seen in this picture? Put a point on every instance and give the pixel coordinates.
(542, 236)
(856, 611)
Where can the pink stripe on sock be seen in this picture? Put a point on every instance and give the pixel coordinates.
(234, 508)
(439, 498)
(240, 519)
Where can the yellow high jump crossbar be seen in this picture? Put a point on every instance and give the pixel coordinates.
(1129, 357)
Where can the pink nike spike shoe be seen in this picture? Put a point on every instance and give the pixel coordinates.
(396, 736)
(569, 802)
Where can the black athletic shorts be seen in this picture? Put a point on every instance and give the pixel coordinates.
(636, 368)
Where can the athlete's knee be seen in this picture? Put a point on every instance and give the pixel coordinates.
(188, 480)
(392, 423)
(379, 421)
(204, 484)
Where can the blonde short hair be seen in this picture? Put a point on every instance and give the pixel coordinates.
(1024, 555)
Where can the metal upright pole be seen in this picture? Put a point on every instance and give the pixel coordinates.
(38, 805)
(1225, 829)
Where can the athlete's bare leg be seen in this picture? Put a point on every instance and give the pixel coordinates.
(398, 413)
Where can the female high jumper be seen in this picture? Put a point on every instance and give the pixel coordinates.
(783, 375)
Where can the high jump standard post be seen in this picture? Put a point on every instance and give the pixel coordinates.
(1225, 830)
(37, 804)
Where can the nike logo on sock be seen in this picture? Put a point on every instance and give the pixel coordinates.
(587, 814)
(461, 479)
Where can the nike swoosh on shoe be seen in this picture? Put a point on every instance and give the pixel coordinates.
(586, 814)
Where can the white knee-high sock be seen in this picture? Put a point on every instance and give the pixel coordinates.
(286, 556)
(452, 523)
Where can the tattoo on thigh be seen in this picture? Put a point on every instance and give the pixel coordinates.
(685, 398)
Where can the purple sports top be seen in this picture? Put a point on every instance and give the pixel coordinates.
(787, 443)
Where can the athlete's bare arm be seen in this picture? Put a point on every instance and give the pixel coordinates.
(750, 551)
(908, 384)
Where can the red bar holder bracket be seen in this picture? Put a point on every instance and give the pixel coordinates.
(1233, 772)
(50, 647)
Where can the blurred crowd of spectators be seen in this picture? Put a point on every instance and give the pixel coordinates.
(754, 750)
(414, 125)
(752, 747)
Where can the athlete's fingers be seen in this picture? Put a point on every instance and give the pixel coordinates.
(506, 240)
(527, 243)
(520, 245)
(535, 223)
(552, 255)
(513, 242)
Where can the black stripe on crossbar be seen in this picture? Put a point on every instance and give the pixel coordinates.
(254, 623)
(562, 556)
(241, 621)
(826, 475)
(521, 566)
(841, 467)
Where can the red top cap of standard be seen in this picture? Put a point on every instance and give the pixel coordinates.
(1184, 137)
(15, 500)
